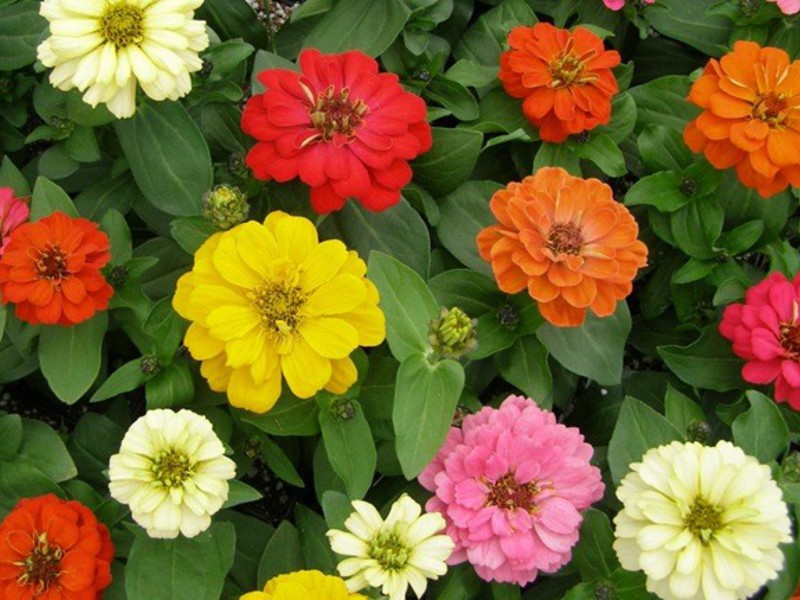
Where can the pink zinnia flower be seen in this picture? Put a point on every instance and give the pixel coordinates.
(618, 4)
(788, 7)
(13, 213)
(765, 332)
(511, 484)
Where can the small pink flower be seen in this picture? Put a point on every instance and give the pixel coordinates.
(788, 7)
(13, 213)
(765, 332)
(511, 484)
(618, 4)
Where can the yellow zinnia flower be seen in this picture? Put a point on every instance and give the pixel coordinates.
(271, 299)
(305, 585)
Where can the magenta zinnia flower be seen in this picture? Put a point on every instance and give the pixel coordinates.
(765, 332)
(618, 4)
(511, 484)
(788, 7)
(13, 213)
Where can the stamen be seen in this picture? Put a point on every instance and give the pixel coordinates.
(122, 24)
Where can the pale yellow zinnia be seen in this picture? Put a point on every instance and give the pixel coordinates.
(269, 301)
(702, 522)
(104, 47)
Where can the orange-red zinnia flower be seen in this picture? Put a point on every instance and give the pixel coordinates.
(51, 270)
(564, 78)
(751, 117)
(51, 549)
(567, 241)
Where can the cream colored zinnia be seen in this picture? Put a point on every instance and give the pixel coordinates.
(701, 522)
(104, 47)
(172, 472)
(403, 550)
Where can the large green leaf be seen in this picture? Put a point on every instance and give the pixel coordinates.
(49, 198)
(689, 22)
(168, 156)
(761, 431)
(22, 27)
(707, 363)
(350, 447)
(484, 41)
(663, 102)
(43, 448)
(594, 555)
(524, 365)
(283, 554)
(449, 162)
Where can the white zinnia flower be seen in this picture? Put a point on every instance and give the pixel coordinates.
(701, 522)
(403, 550)
(103, 47)
(172, 472)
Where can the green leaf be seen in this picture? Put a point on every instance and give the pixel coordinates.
(524, 365)
(425, 400)
(283, 554)
(173, 386)
(453, 96)
(337, 508)
(623, 118)
(191, 232)
(696, 227)
(506, 591)
(350, 448)
(279, 463)
(707, 363)
(116, 228)
(470, 73)
(267, 60)
(462, 215)
(10, 436)
(11, 177)
(22, 27)
(232, 19)
(450, 160)
(679, 20)
(474, 293)
(761, 431)
(660, 190)
(594, 553)
(367, 25)
(693, 270)
(604, 153)
(241, 493)
(125, 379)
(183, 568)
(638, 429)
(681, 410)
(20, 480)
(289, 416)
(406, 301)
(314, 545)
(92, 443)
(663, 102)
(70, 356)
(499, 112)
(43, 448)
(484, 41)
(557, 155)
(663, 148)
(49, 198)
(168, 156)
(741, 238)
(595, 349)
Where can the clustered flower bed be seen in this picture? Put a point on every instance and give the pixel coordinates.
(348, 299)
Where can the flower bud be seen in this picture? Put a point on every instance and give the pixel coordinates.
(698, 431)
(225, 206)
(791, 467)
(453, 334)
(149, 365)
(508, 316)
(342, 410)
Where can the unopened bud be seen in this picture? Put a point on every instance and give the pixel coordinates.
(118, 276)
(604, 591)
(238, 166)
(225, 206)
(688, 187)
(453, 334)
(62, 126)
(149, 365)
(342, 410)
(698, 431)
(791, 467)
(508, 317)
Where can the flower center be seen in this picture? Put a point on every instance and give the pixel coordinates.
(278, 304)
(171, 468)
(790, 339)
(704, 519)
(122, 24)
(41, 567)
(772, 109)
(507, 493)
(51, 264)
(335, 113)
(389, 550)
(568, 68)
(565, 238)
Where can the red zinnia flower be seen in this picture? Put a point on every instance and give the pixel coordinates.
(340, 126)
(51, 270)
(564, 78)
(765, 332)
(13, 213)
(51, 549)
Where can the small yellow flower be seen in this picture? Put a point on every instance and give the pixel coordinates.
(269, 302)
(304, 585)
(701, 522)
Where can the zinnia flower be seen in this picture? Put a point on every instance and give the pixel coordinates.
(13, 213)
(564, 78)
(104, 47)
(343, 128)
(751, 116)
(266, 300)
(403, 550)
(701, 522)
(305, 585)
(567, 241)
(50, 270)
(51, 549)
(788, 7)
(511, 483)
(172, 471)
(618, 4)
(765, 332)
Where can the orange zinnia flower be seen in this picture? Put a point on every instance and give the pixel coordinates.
(51, 270)
(51, 549)
(567, 241)
(565, 78)
(751, 120)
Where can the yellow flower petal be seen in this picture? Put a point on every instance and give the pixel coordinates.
(246, 349)
(201, 344)
(256, 246)
(331, 338)
(370, 323)
(305, 371)
(296, 238)
(205, 298)
(344, 374)
(231, 322)
(354, 265)
(216, 372)
(244, 393)
(228, 263)
(322, 264)
(341, 294)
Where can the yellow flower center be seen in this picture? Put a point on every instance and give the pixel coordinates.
(565, 238)
(704, 519)
(772, 109)
(171, 468)
(334, 113)
(51, 264)
(389, 550)
(509, 494)
(568, 68)
(41, 567)
(122, 24)
(279, 304)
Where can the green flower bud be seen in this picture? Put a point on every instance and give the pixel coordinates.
(342, 410)
(698, 431)
(118, 276)
(791, 467)
(604, 591)
(237, 165)
(225, 206)
(508, 317)
(453, 334)
(149, 365)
